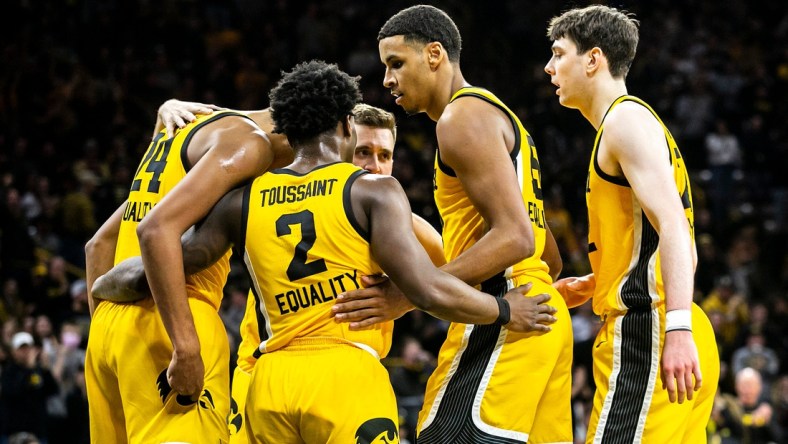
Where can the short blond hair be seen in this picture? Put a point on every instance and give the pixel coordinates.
(375, 117)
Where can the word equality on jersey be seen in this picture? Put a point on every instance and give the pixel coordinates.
(316, 293)
(135, 211)
(296, 193)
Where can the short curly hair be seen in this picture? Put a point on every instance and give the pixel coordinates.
(424, 24)
(311, 99)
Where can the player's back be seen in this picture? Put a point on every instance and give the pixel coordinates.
(163, 166)
(302, 246)
(463, 225)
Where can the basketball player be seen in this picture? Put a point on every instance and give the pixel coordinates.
(376, 134)
(489, 193)
(140, 388)
(307, 233)
(641, 245)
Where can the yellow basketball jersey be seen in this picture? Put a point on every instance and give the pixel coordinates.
(622, 241)
(463, 226)
(302, 246)
(164, 165)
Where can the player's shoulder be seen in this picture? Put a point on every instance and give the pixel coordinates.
(629, 115)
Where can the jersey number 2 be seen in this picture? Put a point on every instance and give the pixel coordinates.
(299, 268)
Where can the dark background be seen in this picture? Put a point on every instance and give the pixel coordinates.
(80, 83)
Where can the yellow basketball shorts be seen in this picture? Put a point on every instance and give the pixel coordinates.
(126, 365)
(237, 421)
(630, 405)
(496, 386)
(319, 391)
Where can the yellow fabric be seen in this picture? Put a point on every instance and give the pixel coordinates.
(622, 242)
(128, 352)
(236, 421)
(526, 395)
(250, 337)
(463, 226)
(321, 391)
(654, 419)
(301, 250)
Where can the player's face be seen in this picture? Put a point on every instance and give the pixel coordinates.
(407, 73)
(374, 149)
(566, 71)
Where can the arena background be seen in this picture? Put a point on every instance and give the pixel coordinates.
(80, 82)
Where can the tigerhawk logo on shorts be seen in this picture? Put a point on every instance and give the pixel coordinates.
(205, 400)
(235, 420)
(377, 431)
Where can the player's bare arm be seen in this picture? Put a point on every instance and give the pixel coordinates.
(100, 252)
(232, 153)
(634, 144)
(177, 114)
(380, 203)
(203, 245)
(474, 139)
(369, 305)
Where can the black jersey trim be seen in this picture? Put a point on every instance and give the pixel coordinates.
(632, 380)
(635, 291)
(447, 170)
(453, 422)
(622, 181)
(347, 203)
(241, 244)
(184, 148)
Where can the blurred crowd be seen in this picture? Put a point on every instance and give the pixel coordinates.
(81, 81)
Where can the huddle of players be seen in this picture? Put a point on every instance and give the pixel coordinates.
(309, 231)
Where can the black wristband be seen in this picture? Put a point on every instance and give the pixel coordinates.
(504, 312)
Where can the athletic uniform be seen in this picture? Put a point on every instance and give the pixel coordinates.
(630, 404)
(315, 381)
(129, 350)
(492, 385)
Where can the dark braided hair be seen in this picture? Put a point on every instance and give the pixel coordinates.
(424, 24)
(311, 99)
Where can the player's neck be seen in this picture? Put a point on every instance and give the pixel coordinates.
(314, 154)
(450, 82)
(602, 94)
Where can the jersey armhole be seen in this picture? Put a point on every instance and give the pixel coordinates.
(348, 204)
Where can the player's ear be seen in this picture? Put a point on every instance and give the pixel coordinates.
(595, 58)
(348, 125)
(435, 54)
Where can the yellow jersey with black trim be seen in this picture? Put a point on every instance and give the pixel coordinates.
(463, 226)
(622, 241)
(302, 247)
(164, 164)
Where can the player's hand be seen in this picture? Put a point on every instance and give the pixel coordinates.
(186, 373)
(177, 114)
(380, 302)
(529, 313)
(576, 290)
(679, 364)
